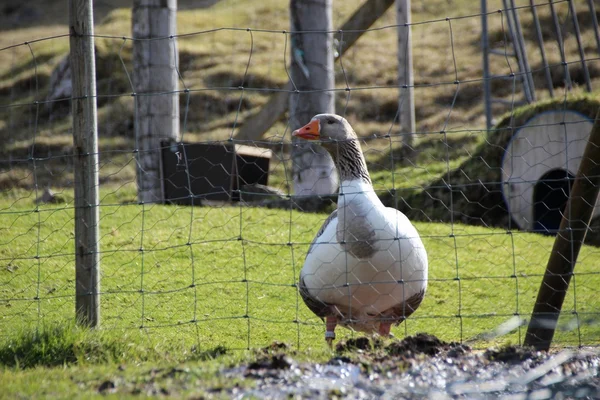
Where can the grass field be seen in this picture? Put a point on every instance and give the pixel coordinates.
(197, 293)
(225, 276)
(189, 291)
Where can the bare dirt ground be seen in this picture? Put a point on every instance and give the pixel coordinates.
(421, 367)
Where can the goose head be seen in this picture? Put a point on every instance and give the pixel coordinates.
(327, 128)
(336, 135)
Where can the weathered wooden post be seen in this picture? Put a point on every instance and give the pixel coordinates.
(155, 80)
(312, 74)
(570, 237)
(406, 101)
(85, 162)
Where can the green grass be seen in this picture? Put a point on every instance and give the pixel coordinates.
(209, 276)
(66, 361)
(180, 285)
(62, 344)
(190, 320)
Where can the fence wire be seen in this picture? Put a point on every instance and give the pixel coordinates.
(224, 270)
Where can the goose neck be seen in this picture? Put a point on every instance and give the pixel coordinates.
(350, 161)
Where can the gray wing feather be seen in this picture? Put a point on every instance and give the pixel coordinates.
(315, 305)
(405, 309)
(331, 217)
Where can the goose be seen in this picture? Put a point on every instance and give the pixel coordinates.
(366, 269)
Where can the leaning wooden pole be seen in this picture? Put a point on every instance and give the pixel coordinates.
(569, 240)
(255, 127)
(85, 163)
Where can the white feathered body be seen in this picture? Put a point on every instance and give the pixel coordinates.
(365, 288)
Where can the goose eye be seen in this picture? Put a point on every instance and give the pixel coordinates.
(330, 122)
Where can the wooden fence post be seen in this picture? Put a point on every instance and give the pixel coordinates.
(155, 79)
(406, 101)
(570, 237)
(312, 74)
(85, 163)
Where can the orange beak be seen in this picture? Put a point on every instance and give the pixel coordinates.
(310, 131)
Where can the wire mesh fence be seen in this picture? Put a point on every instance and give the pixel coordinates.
(219, 264)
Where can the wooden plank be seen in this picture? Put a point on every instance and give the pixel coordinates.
(362, 19)
(85, 163)
(253, 151)
(256, 126)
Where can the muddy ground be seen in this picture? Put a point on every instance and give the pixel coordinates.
(420, 367)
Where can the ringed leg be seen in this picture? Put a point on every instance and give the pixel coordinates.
(330, 324)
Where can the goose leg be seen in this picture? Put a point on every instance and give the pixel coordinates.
(384, 328)
(330, 323)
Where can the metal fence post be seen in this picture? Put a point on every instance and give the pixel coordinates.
(85, 164)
